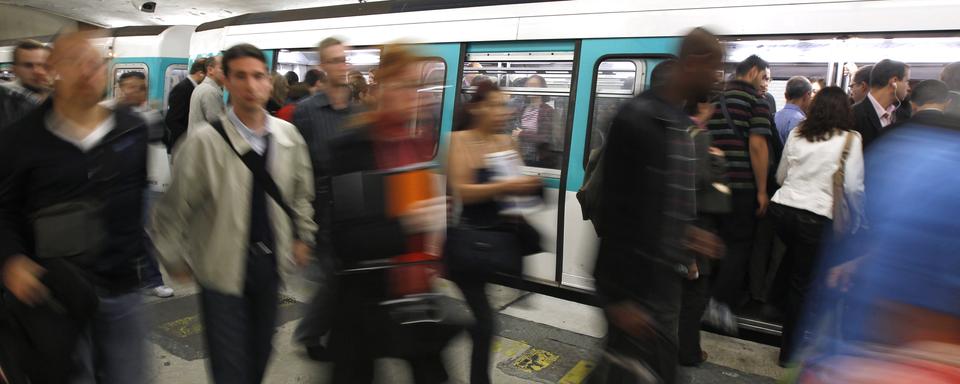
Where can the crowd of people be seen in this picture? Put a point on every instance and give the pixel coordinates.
(711, 198)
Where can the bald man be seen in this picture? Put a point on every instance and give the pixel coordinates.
(70, 225)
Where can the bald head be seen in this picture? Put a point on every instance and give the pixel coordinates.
(80, 69)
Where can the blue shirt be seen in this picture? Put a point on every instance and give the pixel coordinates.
(257, 142)
(787, 119)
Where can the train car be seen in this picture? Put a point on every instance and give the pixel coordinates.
(593, 56)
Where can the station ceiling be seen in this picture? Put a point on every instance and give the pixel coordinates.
(120, 13)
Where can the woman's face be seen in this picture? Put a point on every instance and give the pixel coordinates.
(493, 113)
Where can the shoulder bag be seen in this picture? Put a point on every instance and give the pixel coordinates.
(842, 215)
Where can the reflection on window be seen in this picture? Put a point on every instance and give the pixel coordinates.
(539, 96)
(617, 83)
(174, 74)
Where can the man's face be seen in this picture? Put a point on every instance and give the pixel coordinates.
(82, 77)
(133, 91)
(249, 83)
(398, 96)
(760, 79)
(858, 91)
(334, 63)
(216, 72)
(903, 86)
(31, 69)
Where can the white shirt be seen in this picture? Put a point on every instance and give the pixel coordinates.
(258, 142)
(192, 81)
(886, 115)
(59, 125)
(806, 173)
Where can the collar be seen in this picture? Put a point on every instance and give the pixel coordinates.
(879, 108)
(743, 85)
(246, 131)
(239, 134)
(56, 124)
(194, 82)
(209, 80)
(793, 107)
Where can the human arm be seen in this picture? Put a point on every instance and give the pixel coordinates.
(784, 168)
(462, 179)
(853, 185)
(760, 162)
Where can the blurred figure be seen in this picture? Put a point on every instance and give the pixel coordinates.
(951, 76)
(799, 95)
(206, 101)
(645, 252)
(74, 284)
(178, 102)
(354, 76)
(358, 88)
(291, 77)
(534, 128)
(803, 209)
(480, 133)
(741, 127)
(860, 85)
(315, 79)
(32, 85)
(930, 101)
(278, 97)
(297, 93)
(235, 220)
(888, 89)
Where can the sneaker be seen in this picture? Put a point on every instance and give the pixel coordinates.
(161, 291)
(718, 315)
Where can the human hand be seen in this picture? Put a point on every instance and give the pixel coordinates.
(716, 152)
(704, 242)
(693, 272)
(301, 253)
(630, 318)
(425, 215)
(523, 185)
(839, 277)
(763, 202)
(21, 276)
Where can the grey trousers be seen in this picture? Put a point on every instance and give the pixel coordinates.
(113, 348)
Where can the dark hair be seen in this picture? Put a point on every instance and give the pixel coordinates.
(240, 51)
(199, 65)
(930, 91)
(886, 69)
(830, 112)
(798, 87)
(863, 75)
(662, 74)
(131, 75)
(464, 118)
(313, 76)
(209, 63)
(292, 77)
(298, 92)
(327, 43)
(27, 45)
(951, 76)
(537, 77)
(700, 43)
(751, 62)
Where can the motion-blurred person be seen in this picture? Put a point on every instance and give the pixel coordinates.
(32, 85)
(178, 110)
(238, 212)
(799, 95)
(319, 118)
(76, 172)
(741, 127)
(906, 317)
(951, 76)
(380, 141)
(860, 85)
(534, 128)
(278, 97)
(297, 93)
(480, 132)
(206, 101)
(803, 208)
(888, 89)
(291, 77)
(648, 220)
(315, 79)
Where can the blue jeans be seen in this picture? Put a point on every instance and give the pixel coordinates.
(112, 349)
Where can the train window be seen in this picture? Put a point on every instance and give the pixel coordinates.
(173, 75)
(120, 69)
(539, 89)
(618, 81)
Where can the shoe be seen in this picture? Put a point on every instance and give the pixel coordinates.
(703, 359)
(718, 315)
(161, 291)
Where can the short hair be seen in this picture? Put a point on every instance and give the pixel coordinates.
(27, 45)
(951, 76)
(199, 65)
(662, 74)
(798, 87)
(313, 76)
(209, 63)
(700, 43)
(298, 91)
(240, 51)
(863, 75)
(292, 77)
(930, 91)
(394, 60)
(886, 69)
(131, 75)
(327, 43)
(751, 62)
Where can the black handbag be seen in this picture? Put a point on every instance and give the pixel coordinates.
(491, 249)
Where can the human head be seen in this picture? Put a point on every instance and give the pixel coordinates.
(298, 92)
(399, 80)
(487, 109)
(29, 57)
(292, 77)
(755, 71)
(799, 92)
(930, 94)
(535, 81)
(198, 69)
(246, 77)
(700, 59)
(314, 79)
(214, 69)
(133, 88)
(951, 76)
(891, 76)
(861, 83)
(333, 60)
(79, 67)
(829, 112)
(663, 74)
(280, 88)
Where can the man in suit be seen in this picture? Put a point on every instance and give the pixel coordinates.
(206, 101)
(889, 83)
(178, 103)
(860, 84)
(930, 100)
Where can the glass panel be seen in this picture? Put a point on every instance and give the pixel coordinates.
(175, 73)
(120, 69)
(430, 100)
(617, 77)
(617, 83)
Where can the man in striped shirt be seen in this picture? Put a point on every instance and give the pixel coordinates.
(741, 128)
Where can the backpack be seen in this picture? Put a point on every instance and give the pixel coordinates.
(589, 194)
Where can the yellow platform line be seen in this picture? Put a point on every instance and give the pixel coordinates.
(578, 373)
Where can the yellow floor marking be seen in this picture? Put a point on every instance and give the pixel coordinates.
(184, 327)
(508, 347)
(535, 360)
(578, 373)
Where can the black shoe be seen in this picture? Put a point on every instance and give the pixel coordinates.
(703, 359)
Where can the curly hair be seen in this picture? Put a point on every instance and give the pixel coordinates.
(829, 114)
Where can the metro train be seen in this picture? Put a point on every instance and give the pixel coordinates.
(593, 56)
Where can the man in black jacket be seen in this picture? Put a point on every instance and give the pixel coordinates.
(32, 86)
(73, 175)
(648, 208)
(929, 101)
(889, 83)
(178, 103)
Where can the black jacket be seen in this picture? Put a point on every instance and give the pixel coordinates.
(866, 121)
(178, 111)
(930, 118)
(14, 104)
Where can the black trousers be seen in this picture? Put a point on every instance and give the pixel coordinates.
(803, 233)
(737, 230)
(474, 291)
(239, 330)
(696, 295)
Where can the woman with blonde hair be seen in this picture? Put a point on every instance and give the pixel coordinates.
(279, 94)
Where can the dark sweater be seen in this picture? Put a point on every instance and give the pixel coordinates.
(39, 170)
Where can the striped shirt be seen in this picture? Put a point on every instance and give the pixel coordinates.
(751, 115)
